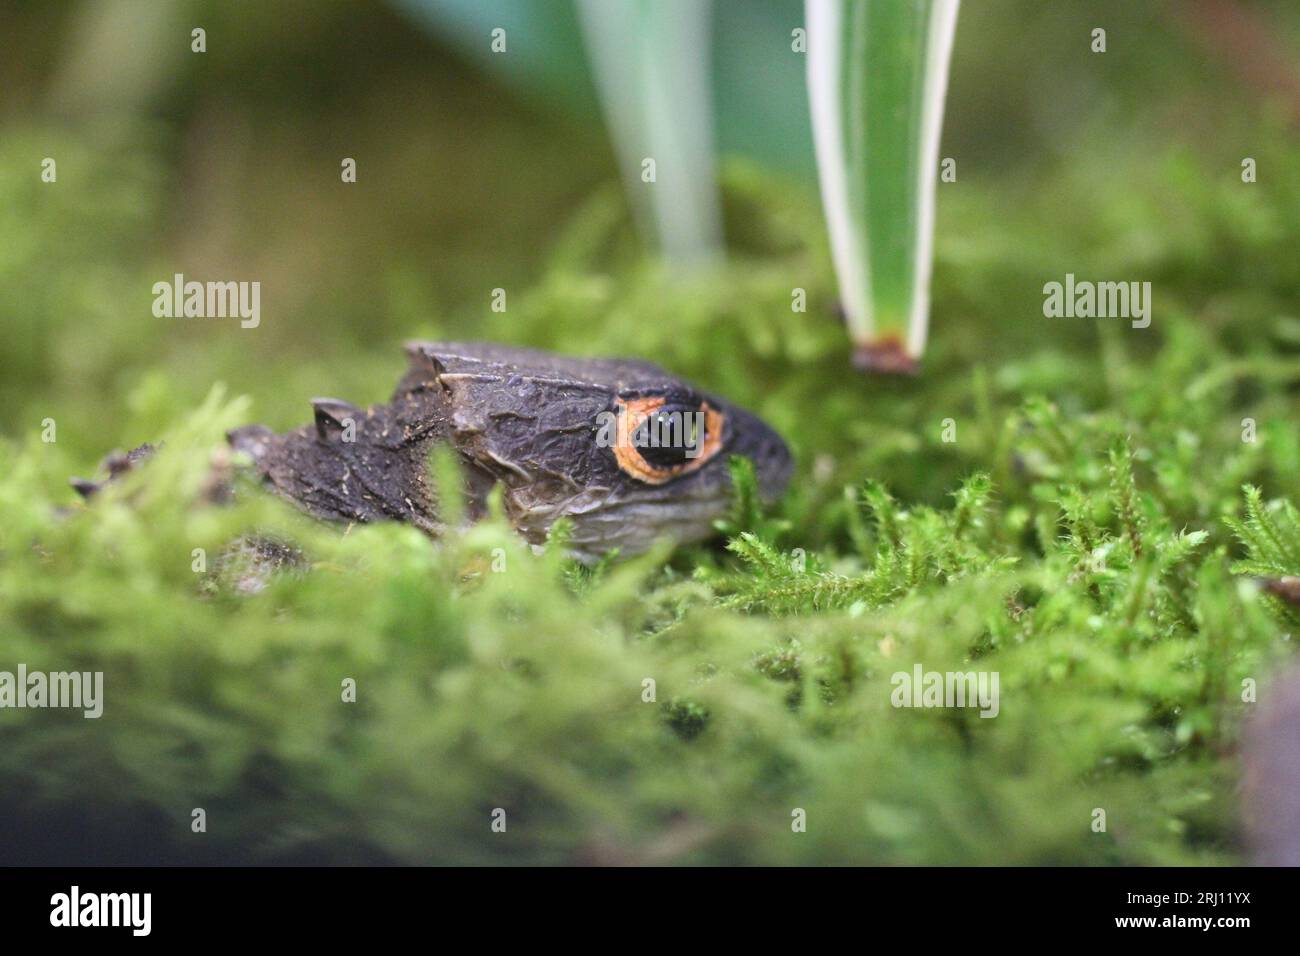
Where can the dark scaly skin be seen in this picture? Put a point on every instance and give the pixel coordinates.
(523, 418)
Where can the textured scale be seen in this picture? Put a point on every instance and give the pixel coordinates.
(528, 420)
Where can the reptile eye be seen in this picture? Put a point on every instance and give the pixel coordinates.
(671, 435)
(660, 439)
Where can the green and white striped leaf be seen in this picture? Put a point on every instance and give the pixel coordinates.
(877, 77)
(651, 60)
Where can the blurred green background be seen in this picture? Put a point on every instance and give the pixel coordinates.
(226, 165)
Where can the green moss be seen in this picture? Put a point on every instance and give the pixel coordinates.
(1075, 537)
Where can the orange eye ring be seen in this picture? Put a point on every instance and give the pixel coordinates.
(634, 411)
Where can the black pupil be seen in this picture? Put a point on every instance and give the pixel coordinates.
(670, 436)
